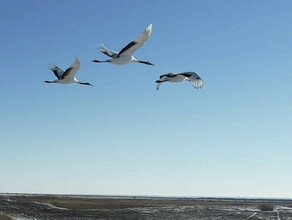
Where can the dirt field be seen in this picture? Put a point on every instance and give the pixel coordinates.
(3, 217)
(24, 206)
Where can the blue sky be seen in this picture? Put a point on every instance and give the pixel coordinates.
(122, 137)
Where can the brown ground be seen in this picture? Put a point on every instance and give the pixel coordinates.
(84, 202)
(118, 203)
(97, 207)
(4, 217)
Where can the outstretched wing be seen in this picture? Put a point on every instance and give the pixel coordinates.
(195, 79)
(108, 52)
(71, 71)
(137, 43)
(56, 70)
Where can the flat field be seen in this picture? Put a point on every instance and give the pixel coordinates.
(36, 206)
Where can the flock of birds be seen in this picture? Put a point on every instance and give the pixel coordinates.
(125, 56)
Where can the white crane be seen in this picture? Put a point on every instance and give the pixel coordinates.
(192, 77)
(67, 76)
(125, 56)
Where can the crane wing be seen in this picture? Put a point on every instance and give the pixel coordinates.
(71, 71)
(108, 52)
(56, 70)
(195, 79)
(137, 43)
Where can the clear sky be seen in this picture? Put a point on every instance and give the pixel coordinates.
(122, 137)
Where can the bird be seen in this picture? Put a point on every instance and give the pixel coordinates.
(67, 76)
(125, 56)
(192, 77)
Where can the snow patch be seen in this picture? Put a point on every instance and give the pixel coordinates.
(51, 206)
